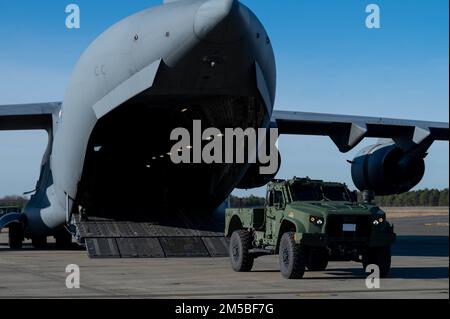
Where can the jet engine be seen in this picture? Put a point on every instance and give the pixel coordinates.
(386, 169)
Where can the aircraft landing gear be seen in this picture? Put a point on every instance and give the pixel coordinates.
(16, 236)
(63, 239)
(39, 242)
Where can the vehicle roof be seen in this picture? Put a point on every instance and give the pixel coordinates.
(305, 180)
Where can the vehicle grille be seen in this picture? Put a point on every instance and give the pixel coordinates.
(335, 226)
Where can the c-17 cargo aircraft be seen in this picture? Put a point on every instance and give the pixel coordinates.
(209, 60)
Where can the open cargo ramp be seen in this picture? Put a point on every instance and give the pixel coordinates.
(181, 236)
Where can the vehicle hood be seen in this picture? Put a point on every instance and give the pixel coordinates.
(333, 208)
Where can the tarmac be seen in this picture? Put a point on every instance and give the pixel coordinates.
(420, 267)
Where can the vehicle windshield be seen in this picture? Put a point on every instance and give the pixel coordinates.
(317, 192)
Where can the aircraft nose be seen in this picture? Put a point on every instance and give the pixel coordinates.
(220, 21)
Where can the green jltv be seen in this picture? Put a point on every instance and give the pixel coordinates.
(309, 223)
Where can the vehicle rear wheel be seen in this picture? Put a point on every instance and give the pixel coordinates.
(317, 260)
(39, 242)
(292, 257)
(63, 239)
(240, 244)
(15, 236)
(380, 256)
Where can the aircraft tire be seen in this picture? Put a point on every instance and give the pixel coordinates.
(15, 236)
(39, 242)
(63, 239)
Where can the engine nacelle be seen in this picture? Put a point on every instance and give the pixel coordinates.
(253, 177)
(386, 169)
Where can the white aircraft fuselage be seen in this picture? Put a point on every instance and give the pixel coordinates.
(159, 69)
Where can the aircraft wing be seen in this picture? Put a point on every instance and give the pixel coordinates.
(28, 116)
(348, 131)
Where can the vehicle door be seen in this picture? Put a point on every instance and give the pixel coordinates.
(274, 212)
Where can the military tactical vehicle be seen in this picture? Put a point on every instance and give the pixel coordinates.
(309, 223)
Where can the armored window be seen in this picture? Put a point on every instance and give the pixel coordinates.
(278, 197)
(302, 192)
(336, 193)
(270, 198)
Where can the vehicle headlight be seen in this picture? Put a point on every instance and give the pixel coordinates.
(379, 220)
(318, 221)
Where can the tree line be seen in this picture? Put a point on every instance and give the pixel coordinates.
(425, 197)
(16, 201)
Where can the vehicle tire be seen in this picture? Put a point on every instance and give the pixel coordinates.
(380, 256)
(63, 239)
(317, 260)
(15, 236)
(240, 244)
(292, 257)
(39, 242)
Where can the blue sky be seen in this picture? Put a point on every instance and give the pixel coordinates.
(327, 60)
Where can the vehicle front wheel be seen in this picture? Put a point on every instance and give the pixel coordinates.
(380, 256)
(240, 244)
(15, 236)
(317, 260)
(292, 257)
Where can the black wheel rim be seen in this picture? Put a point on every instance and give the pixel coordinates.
(235, 251)
(285, 256)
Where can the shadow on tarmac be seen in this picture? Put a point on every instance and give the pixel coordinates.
(425, 246)
(396, 273)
